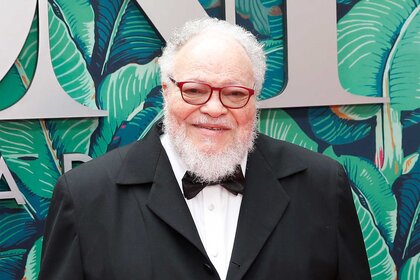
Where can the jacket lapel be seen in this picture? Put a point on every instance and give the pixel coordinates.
(263, 204)
(167, 202)
(165, 198)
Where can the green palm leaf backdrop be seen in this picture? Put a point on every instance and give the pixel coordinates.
(105, 53)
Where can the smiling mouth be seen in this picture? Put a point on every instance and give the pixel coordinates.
(211, 127)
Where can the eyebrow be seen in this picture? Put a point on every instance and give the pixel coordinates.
(224, 83)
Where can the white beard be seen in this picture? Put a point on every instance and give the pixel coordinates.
(209, 166)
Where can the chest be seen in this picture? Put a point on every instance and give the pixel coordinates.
(131, 241)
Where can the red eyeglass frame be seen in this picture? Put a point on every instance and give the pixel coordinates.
(181, 84)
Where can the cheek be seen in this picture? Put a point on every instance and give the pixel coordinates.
(178, 108)
(245, 118)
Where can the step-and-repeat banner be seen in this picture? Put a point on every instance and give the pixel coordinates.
(79, 78)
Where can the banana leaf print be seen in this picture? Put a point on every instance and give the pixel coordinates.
(380, 261)
(105, 53)
(213, 8)
(335, 125)
(373, 53)
(407, 190)
(16, 82)
(90, 59)
(265, 20)
(410, 270)
(69, 65)
(121, 93)
(391, 34)
(279, 125)
(11, 263)
(79, 18)
(373, 190)
(33, 261)
(385, 181)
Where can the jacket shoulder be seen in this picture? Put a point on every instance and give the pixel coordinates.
(108, 163)
(97, 176)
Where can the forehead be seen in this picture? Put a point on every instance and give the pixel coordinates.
(213, 56)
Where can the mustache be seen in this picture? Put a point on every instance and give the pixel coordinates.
(205, 120)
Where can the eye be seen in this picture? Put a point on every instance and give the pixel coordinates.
(195, 89)
(235, 93)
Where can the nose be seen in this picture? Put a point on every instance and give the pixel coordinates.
(214, 108)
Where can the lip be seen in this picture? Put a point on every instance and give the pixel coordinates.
(211, 129)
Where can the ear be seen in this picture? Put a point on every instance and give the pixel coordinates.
(165, 92)
(164, 88)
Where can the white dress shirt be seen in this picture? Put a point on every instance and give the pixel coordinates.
(215, 213)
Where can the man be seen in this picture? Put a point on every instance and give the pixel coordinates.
(272, 210)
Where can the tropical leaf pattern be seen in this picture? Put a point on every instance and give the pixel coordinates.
(380, 261)
(373, 190)
(18, 78)
(105, 53)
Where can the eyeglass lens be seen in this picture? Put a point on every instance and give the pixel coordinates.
(197, 93)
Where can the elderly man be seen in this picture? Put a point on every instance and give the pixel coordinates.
(203, 196)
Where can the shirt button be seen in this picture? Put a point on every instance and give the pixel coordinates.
(211, 207)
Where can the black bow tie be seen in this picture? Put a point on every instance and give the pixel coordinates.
(192, 185)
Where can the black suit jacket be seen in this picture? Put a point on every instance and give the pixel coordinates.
(123, 216)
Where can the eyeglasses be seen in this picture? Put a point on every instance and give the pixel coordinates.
(195, 93)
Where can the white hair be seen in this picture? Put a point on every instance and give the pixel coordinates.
(246, 39)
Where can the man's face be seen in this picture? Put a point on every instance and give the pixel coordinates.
(219, 61)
